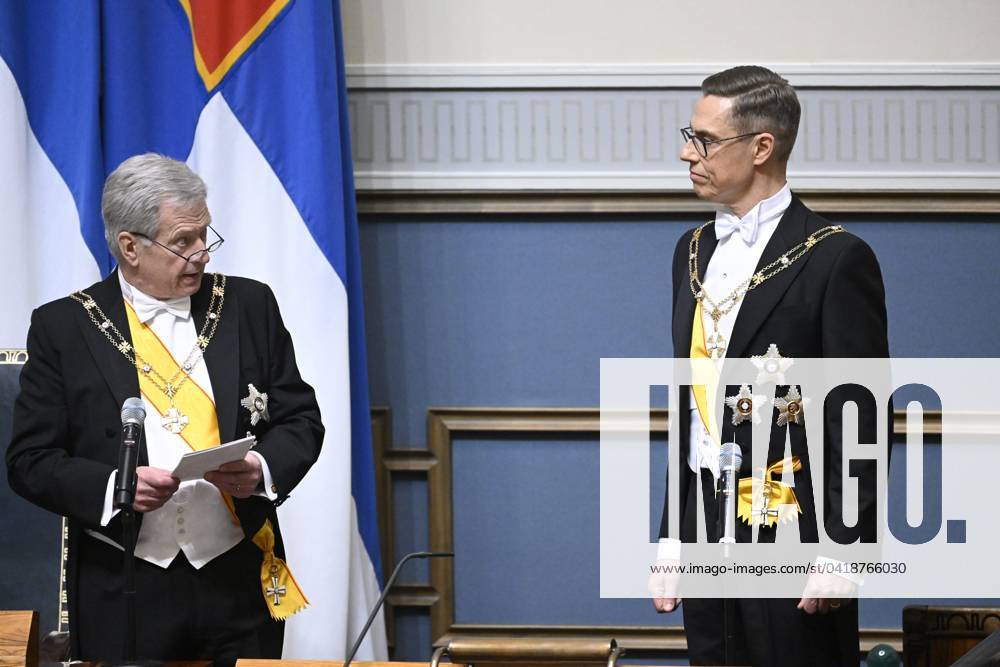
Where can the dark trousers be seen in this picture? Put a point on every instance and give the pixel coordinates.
(216, 613)
(766, 632)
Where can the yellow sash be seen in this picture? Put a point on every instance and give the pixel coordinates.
(704, 377)
(202, 432)
(276, 580)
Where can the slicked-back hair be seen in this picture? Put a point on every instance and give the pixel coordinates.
(138, 187)
(762, 102)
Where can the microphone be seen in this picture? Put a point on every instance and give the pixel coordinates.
(133, 415)
(385, 591)
(730, 460)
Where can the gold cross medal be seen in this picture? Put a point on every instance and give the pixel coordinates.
(174, 421)
(275, 590)
(256, 403)
(716, 345)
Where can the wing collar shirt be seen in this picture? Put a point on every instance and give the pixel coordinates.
(195, 520)
(741, 244)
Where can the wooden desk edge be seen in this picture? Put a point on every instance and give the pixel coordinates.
(253, 662)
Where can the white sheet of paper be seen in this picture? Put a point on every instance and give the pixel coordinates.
(194, 465)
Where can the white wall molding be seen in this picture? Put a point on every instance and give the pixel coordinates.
(859, 139)
(654, 75)
(666, 181)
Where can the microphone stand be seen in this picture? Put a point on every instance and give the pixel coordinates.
(728, 604)
(385, 592)
(731, 459)
(128, 535)
(128, 569)
(728, 626)
(133, 415)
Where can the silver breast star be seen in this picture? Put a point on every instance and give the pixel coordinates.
(256, 403)
(791, 408)
(771, 367)
(745, 405)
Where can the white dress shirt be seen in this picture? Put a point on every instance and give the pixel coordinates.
(733, 261)
(195, 520)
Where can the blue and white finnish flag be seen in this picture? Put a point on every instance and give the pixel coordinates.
(251, 93)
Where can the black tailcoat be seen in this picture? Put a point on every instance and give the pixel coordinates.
(830, 303)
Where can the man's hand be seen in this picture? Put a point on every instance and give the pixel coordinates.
(825, 592)
(153, 487)
(662, 585)
(238, 478)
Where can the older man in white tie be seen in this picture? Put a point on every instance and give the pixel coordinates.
(211, 360)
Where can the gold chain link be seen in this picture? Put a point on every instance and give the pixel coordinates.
(120, 342)
(787, 258)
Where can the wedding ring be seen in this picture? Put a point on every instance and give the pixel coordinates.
(834, 605)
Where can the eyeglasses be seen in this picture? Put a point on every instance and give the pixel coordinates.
(701, 144)
(195, 256)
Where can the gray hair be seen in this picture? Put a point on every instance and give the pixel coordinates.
(135, 191)
(762, 102)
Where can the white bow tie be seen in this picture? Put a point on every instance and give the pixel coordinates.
(726, 225)
(146, 307)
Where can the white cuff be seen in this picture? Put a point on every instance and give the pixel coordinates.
(270, 490)
(669, 548)
(109, 501)
(840, 568)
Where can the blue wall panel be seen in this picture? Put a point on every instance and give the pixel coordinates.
(498, 313)
(526, 527)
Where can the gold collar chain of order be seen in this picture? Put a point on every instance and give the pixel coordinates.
(120, 342)
(716, 342)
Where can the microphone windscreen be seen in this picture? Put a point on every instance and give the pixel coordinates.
(730, 456)
(133, 411)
